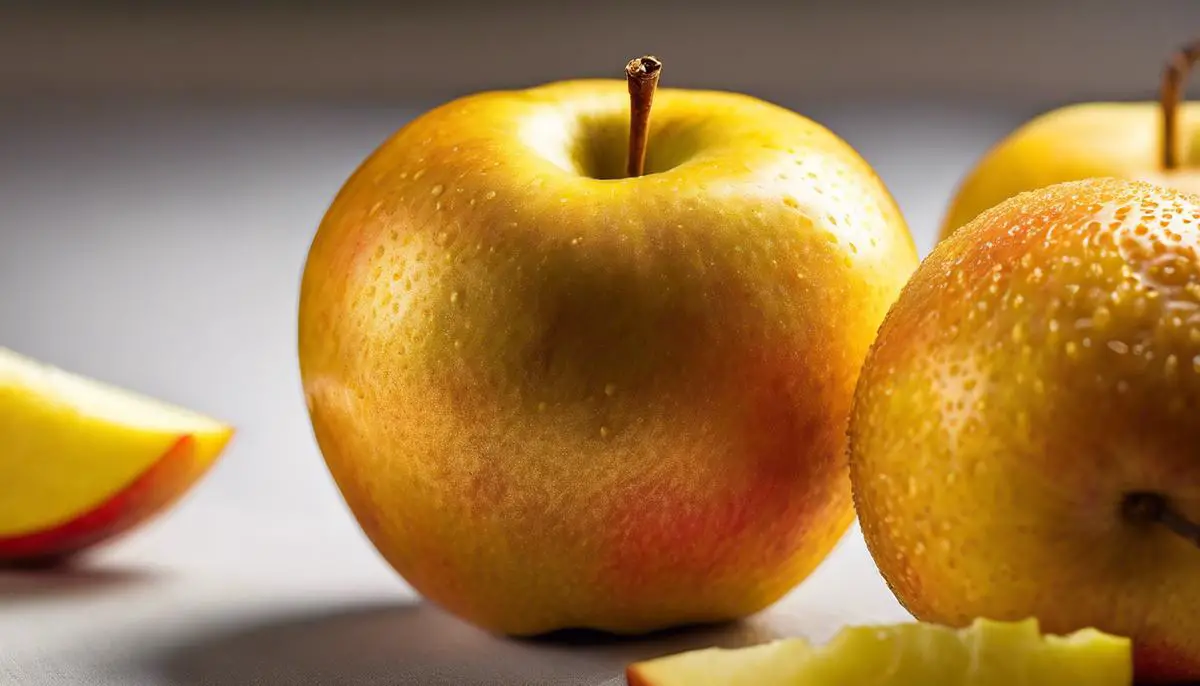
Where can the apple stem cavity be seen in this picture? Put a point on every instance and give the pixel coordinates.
(642, 76)
(1173, 81)
(1152, 507)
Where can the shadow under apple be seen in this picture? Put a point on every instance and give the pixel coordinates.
(67, 579)
(417, 643)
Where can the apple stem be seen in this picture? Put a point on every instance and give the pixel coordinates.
(1173, 81)
(642, 76)
(1152, 507)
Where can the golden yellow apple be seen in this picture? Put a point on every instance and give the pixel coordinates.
(557, 395)
(1157, 142)
(986, 653)
(82, 461)
(1024, 441)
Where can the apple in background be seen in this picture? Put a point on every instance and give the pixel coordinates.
(82, 462)
(1157, 142)
(1025, 440)
(577, 363)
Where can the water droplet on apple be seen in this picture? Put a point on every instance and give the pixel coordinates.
(610, 389)
(1018, 333)
(418, 174)
(604, 432)
(489, 195)
(437, 190)
(454, 297)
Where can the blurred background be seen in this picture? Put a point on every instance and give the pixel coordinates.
(163, 167)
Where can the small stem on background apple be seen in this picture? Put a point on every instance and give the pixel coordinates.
(1151, 507)
(642, 76)
(1171, 94)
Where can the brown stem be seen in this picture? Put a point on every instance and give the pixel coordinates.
(1174, 79)
(642, 76)
(1152, 507)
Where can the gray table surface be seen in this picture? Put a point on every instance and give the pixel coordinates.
(159, 246)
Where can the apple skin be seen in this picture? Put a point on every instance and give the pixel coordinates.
(1079, 141)
(1041, 365)
(553, 397)
(151, 493)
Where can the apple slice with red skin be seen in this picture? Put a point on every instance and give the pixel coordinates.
(152, 492)
(85, 462)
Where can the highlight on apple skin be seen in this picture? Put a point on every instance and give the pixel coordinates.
(556, 394)
(83, 462)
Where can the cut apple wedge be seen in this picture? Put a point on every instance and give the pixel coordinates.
(987, 653)
(82, 461)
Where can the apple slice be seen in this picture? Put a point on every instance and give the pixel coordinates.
(778, 663)
(986, 653)
(82, 461)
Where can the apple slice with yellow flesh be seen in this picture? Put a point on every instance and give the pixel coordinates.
(986, 653)
(82, 461)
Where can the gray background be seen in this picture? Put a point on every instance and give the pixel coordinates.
(162, 173)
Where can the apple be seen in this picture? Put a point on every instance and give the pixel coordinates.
(83, 461)
(986, 652)
(1024, 436)
(556, 394)
(1157, 142)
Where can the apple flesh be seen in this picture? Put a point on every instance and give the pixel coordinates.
(985, 653)
(554, 396)
(1039, 373)
(83, 462)
(1080, 141)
